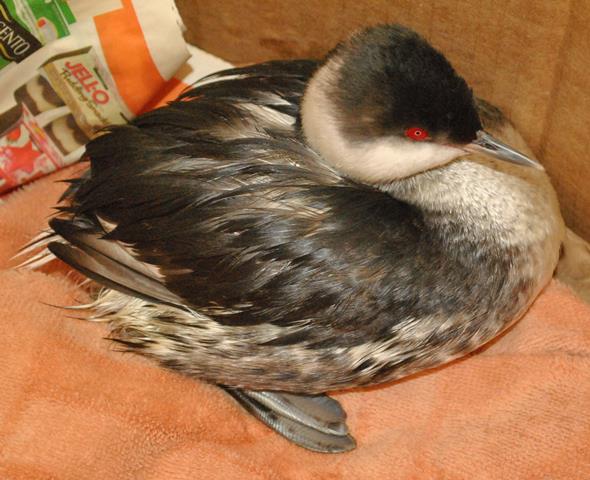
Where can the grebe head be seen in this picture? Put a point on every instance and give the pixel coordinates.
(386, 105)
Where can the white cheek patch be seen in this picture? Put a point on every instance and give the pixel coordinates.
(378, 161)
(393, 158)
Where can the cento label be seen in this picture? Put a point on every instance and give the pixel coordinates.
(27, 25)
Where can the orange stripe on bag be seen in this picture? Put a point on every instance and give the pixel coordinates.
(169, 92)
(128, 57)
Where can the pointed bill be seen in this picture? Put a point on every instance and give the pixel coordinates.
(487, 144)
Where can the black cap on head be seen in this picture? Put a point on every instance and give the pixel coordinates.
(391, 79)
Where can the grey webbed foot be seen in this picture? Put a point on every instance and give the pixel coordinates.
(314, 422)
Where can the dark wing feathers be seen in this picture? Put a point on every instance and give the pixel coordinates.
(107, 263)
(91, 238)
(285, 79)
(106, 273)
(252, 223)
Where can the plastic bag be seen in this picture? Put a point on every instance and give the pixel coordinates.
(67, 69)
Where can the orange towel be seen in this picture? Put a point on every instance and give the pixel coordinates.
(72, 407)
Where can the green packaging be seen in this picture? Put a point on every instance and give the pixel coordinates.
(27, 25)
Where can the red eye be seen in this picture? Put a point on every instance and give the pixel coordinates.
(417, 134)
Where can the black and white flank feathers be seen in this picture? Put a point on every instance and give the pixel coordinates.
(244, 244)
